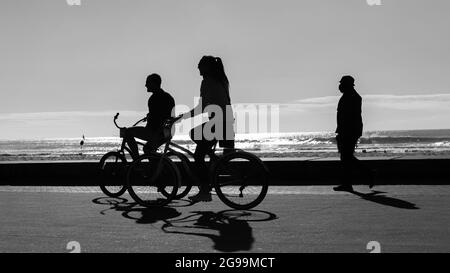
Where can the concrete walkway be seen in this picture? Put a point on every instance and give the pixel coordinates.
(291, 219)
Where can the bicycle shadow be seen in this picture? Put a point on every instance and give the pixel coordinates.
(234, 233)
(228, 229)
(132, 210)
(378, 197)
(114, 203)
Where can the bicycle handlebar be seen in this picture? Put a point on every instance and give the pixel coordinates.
(115, 122)
(117, 116)
(139, 121)
(171, 121)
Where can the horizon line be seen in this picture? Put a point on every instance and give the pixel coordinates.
(240, 134)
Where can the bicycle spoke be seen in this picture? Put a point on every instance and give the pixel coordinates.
(240, 180)
(153, 181)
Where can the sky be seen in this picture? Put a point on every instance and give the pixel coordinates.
(66, 70)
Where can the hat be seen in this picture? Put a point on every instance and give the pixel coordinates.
(348, 80)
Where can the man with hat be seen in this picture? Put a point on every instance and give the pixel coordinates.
(349, 129)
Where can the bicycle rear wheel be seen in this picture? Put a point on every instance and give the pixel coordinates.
(241, 180)
(151, 175)
(185, 175)
(113, 168)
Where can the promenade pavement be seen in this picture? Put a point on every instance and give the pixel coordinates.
(290, 219)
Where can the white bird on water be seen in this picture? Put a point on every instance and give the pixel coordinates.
(81, 145)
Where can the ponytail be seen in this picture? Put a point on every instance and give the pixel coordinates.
(221, 72)
(222, 76)
(217, 72)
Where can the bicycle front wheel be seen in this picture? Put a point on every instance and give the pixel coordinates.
(113, 168)
(241, 180)
(153, 180)
(185, 175)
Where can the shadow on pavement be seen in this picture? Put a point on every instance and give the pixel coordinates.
(151, 215)
(233, 228)
(116, 203)
(133, 211)
(229, 229)
(377, 197)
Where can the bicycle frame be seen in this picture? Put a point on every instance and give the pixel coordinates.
(181, 152)
(123, 146)
(170, 146)
(216, 173)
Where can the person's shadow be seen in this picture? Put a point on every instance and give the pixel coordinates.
(235, 234)
(380, 198)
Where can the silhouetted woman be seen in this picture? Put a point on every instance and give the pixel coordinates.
(214, 100)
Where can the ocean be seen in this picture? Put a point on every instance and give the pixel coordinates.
(280, 145)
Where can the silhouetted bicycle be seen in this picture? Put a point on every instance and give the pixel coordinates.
(114, 165)
(240, 179)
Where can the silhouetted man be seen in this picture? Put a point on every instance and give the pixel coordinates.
(160, 107)
(349, 129)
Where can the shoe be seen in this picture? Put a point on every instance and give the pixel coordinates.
(343, 188)
(201, 197)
